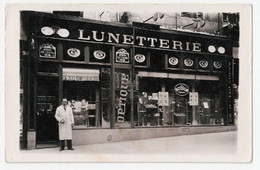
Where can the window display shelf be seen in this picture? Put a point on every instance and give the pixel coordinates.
(179, 114)
(150, 106)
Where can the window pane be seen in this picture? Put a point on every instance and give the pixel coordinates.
(84, 99)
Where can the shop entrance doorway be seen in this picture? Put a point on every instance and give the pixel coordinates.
(46, 104)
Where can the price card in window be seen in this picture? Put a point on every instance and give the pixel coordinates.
(163, 99)
(155, 96)
(205, 105)
(194, 99)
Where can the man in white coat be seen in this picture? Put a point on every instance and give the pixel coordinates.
(65, 118)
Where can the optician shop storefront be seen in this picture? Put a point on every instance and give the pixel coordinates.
(123, 82)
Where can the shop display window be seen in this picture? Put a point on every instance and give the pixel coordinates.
(149, 103)
(181, 111)
(205, 110)
(83, 97)
(148, 110)
(176, 102)
(211, 103)
(105, 97)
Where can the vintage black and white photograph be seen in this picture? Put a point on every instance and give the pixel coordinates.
(146, 83)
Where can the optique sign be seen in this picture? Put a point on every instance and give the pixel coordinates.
(123, 97)
(181, 89)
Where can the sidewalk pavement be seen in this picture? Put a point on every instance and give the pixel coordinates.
(204, 144)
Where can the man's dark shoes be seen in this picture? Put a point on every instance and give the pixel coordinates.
(61, 149)
(71, 149)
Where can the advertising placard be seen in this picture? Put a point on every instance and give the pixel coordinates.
(163, 99)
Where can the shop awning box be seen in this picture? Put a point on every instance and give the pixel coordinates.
(76, 74)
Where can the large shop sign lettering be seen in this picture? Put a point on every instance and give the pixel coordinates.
(122, 98)
(139, 40)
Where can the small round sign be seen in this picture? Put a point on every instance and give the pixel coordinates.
(139, 58)
(221, 50)
(181, 89)
(212, 49)
(203, 63)
(47, 30)
(73, 52)
(217, 64)
(99, 54)
(173, 61)
(63, 32)
(188, 62)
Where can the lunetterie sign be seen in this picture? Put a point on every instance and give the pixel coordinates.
(139, 40)
(122, 34)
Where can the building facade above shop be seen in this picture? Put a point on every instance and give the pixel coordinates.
(68, 28)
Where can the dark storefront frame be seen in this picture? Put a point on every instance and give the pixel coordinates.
(34, 38)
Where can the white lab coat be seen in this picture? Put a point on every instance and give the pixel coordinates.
(65, 129)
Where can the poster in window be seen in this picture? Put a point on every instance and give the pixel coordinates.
(163, 99)
(193, 98)
(155, 96)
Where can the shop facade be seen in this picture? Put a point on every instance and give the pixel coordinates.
(122, 81)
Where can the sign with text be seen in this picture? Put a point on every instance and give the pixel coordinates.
(122, 95)
(47, 51)
(181, 89)
(122, 56)
(99, 32)
(194, 99)
(163, 99)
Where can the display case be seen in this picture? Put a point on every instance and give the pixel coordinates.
(205, 109)
(179, 111)
(148, 110)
